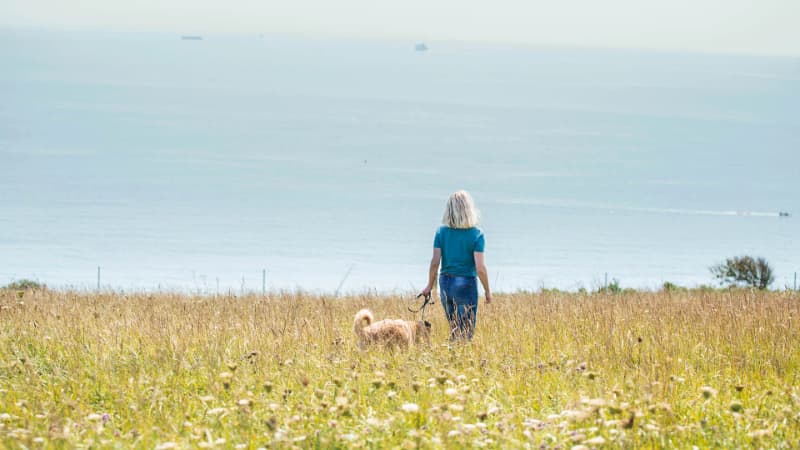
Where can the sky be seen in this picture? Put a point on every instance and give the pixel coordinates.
(730, 26)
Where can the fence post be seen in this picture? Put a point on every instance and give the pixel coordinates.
(263, 282)
(795, 281)
(605, 284)
(98, 278)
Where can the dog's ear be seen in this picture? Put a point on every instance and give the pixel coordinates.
(427, 324)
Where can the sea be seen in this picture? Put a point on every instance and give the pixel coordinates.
(236, 163)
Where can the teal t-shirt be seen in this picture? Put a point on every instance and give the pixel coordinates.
(458, 247)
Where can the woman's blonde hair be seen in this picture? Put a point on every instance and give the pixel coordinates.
(460, 211)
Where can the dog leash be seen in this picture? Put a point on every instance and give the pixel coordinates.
(421, 309)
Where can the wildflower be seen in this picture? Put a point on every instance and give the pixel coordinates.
(94, 417)
(410, 407)
(166, 446)
(597, 440)
(350, 436)
(759, 433)
(574, 415)
(245, 402)
(226, 377)
(594, 403)
(534, 423)
(708, 392)
(577, 437)
(216, 411)
(391, 394)
(450, 392)
(454, 433)
(651, 427)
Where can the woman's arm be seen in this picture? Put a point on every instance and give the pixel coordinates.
(483, 275)
(433, 272)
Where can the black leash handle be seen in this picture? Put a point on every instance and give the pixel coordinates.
(425, 303)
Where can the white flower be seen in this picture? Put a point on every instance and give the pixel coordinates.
(598, 440)
(410, 407)
(166, 446)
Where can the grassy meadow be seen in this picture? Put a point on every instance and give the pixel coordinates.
(705, 368)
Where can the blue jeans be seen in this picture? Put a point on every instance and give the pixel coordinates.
(460, 301)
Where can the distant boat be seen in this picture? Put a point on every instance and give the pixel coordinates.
(784, 214)
(187, 37)
(421, 47)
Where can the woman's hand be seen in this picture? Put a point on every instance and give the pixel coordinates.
(488, 298)
(427, 291)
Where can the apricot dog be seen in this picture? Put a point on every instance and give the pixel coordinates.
(389, 332)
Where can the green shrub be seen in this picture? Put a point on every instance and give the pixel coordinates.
(25, 285)
(612, 288)
(744, 271)
(672, 287)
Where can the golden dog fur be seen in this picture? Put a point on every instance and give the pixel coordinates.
(389, 332)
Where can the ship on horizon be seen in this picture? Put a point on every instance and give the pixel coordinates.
(191, 37)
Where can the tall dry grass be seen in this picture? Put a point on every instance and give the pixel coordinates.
(706, 368)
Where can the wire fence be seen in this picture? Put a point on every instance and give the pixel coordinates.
(246, 286)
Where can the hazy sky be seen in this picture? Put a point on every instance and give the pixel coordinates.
(760, 26)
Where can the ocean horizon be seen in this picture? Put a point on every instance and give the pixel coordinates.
(194, 165)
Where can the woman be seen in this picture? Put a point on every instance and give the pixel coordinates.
(458, 246)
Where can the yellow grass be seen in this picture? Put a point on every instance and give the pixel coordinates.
(706, 368)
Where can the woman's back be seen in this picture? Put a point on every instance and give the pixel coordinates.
(458, 246)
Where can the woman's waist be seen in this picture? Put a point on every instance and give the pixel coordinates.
(452, 275)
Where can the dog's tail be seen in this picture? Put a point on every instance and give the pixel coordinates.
(363, 319)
